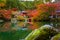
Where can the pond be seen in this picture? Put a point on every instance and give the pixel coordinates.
(19, 30)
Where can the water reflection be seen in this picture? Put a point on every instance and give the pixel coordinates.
(5, 26)
(20, 30)
(55, 24)
(8, 26)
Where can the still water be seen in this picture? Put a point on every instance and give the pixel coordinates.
(19, 30)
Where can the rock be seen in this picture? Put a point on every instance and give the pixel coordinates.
(56, 37)
(43, 33)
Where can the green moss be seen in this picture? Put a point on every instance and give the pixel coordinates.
(43, 33)
(56, 37)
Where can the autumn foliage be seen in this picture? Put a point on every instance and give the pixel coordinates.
(45, 10)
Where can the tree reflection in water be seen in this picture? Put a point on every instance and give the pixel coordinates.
(7, 26)
(20, 30)
(56, 25)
